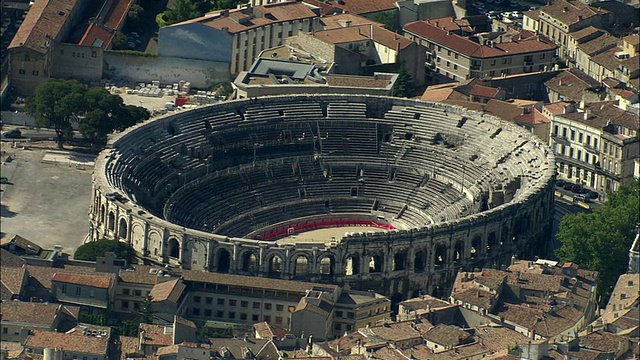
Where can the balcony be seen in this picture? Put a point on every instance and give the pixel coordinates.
(561, 139)
(590, 148)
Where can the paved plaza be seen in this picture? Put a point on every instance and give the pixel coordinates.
(47, 198)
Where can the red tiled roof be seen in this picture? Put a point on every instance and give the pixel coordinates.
(280, 12)
(468, 47)
(484, 91)
(357, 6)
(338, 20)
(118, 13)
(362, 32)
(70, 342)
(97, 35)
(155, 335)
(43, 22)
(85, 280)
(570, 12)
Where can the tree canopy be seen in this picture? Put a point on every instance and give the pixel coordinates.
(601, 240)
(92, 250)
(389, 20)
(58, 103)
(182, 10)
(403, 86)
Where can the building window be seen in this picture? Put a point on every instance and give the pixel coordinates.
(350, 315)
(279, 307)
(244, 303)
(256, 305)
(94, 54)
(232, 315)
(448, 52)
(279, 320)
(579, 155)
(21, 72)
(196, 299)
(267, 318)
(338, 314)
(492, 73)
(455, 55)
(136, 306)
(207, 312)
(125, 304)
(254, 317)
(448, 63)
(233, 302)
(78, 291)
(267, 306)
(35, 72)
(493, 62)
(196, 311)
(455, 66)
(137, 292)
(243, 316)
(555, 129)
(125, 291)
(64, 288)
(338, 327)
(5, 330)
(220, 301)
(580, 137)
(573, 135)
(208, 300)
(219, 314)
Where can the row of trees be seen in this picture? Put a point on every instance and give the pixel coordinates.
(59, 103)
(601, 240)
(182, 10)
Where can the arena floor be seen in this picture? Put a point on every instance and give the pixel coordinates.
(326, 235)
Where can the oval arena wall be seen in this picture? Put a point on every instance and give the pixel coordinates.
(215, 188)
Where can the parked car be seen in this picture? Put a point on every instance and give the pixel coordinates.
(581, 197)
(560, 182)
(13, 134)
(593, 194)
(567, 185)
(576, 188)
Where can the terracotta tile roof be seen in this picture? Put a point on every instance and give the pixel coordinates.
(363, 32)
(260, 348)
(498, 338)
(581, 34)
(168, 291)
(357, 6)
(280, 12)
(424, 302)
(604, 112)
(156, 334)
(446, 335)
(400, 331)
(536, 282)
(340, 20)
(142, 274)
(43, 274)
(41, 339)
(126, 346)
(478, 297)
(102, 282)
(545, 324)
(484, 91)
(470, 48)
(599, 44)
(267, 331)
(633, 64)
(34, 313)
(11, 281)
(22, 243)
(118, 13)
(557, 107)
(603, 341)
(97, 35)
(44, 22)
(534, 117)
(571, 84)
(570, 12)
(298, 287)
(8, 259)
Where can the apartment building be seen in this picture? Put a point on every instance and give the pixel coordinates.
(596, 145)
(236, 37)
(87, 291)
(452, 56)
(559, 18)
(19, 317)
(356, 49)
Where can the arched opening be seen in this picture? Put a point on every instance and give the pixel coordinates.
(352, 266)
(122, 229)
(326, 266)
(375, 264)
(399, 260)
(419, 263)
(301, 267)
(224, 261)
(458, 251)
(112, 221)
(491, 242)
(102, 214)
(275, 266)
(476, 244)
(249, 262)
(440, 256)
(174, 248)
(504, 236)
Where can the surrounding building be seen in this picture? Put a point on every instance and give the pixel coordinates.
(596, 145)
(452, 56)
(269, 76)
(18, 318)
(236, 37)
(362, 49)
(573, 85)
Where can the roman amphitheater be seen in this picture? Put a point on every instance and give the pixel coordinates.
(398, 194)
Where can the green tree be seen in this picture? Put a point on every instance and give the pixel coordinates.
(59, 103)
(136, 11)
(182, 10)
(403, 86)
(146, 313)
(92, 250)
(389, 20)
(601, 240)
(120, 41)
(56, 104)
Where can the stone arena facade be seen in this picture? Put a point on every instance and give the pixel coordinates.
(225, 188)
